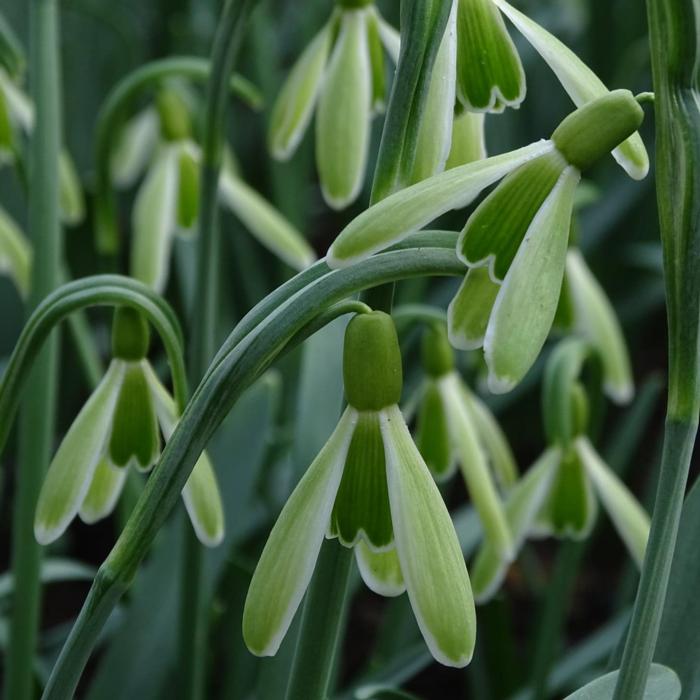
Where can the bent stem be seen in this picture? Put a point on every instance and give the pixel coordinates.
(675, 51)
(38, 415)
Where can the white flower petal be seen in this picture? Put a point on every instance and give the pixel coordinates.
(389, 36)
(134, 148)
(431, 559)
(15, 253)
(19, 105)
(103, 494)
(380, 571)
(70, 473)
(289, 557)
(203, 503)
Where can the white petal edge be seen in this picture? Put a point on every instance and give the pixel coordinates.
(381, 571)
(438, 585)
(630, 519)
(579, 81)
(288, 560)
(405, 212)
(72, 468)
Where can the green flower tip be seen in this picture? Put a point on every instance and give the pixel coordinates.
(372, 362)
(188, 190)
(437, 354)
(597, 128)
(174, 115)
(130, 334)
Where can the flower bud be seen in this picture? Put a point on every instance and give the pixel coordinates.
(372, 362)
(437, 354)
(130, 334)
(597, 128)
(174, 116)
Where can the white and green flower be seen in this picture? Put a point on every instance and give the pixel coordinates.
(370, 488)
(341, 76)
(15, 253)
(159, 140)
(118, 428)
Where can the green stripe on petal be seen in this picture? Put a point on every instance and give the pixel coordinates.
(429, 553)
(498, 226)
(595, 319)
(468, 139)
(435, 133)
(579, 81)
(289, 557)
(492, 440)
(630, 519)
(134, 148)
(343, 116)
(70, 191)
(490, 75)
(527, 301)
(407, 211)
(70, 473)
(523, 503)
(469, 311)
(295, 104)
(380, 571)
(154, 221)
(203, 503)
(361, 509)
(265, 222)
(472, 462)
(432, 433)
(105, 489)
(15, 253)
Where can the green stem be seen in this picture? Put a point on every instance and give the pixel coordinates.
(227, 45)
(38, 414)
(321, 622)
(222, 386)
(111, 119)
(675, 52)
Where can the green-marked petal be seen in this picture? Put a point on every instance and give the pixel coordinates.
(70, 191)
(472, 462)
(407, 211)
(630, 519)
(188, 189)
(19, 106)
(295, 104)
(430, 556)
(135, 438)
(203, 502)
(432, 434)
(490, 75)
(469, 311)
(134, 148)
(468, 139)
(380, 571)
(343, 117)
(154, 221)
(376, 57)
(70, 473)
(571, 507)
(435, 134)
(361, 509)
(104, 491)
(595, 318)
(288, 559)
(579, 81)
(523, 503)
(265, 222)
(15, 253)
(492, 439)
(498, 226)
(527, 301)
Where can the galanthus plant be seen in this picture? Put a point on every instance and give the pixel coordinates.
(320, 407)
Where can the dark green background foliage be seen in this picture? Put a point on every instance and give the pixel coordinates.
(564, 606)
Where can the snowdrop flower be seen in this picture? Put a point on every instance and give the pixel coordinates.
(516, 240)
(453, 427)
(370, 488)
(118, 428)
(559, 494)
(15, 253)
(341, 76)
(160, 140)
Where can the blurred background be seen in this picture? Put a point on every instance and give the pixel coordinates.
(564, 605)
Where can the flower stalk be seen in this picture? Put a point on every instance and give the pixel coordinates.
(675, 52)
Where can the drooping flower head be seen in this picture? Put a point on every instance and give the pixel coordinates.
(161, 140)
(118, 428)
(369, 488)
